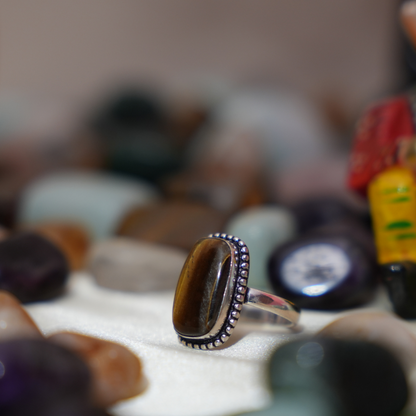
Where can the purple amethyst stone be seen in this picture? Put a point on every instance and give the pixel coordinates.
(36, 375)
(32, 268)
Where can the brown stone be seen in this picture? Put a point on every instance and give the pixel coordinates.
(15, 322)
(201, 286)
(116, 371)
(172, 223)
(71, 238)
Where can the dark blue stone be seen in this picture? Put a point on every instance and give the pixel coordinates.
(32, 268)
(343, 278)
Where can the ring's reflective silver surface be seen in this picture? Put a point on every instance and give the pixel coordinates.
(212, 290)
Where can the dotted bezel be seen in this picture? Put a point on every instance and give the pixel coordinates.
(238, 295)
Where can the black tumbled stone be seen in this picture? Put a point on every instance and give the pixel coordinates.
(359, 378)
(32, 268)
(400, 279)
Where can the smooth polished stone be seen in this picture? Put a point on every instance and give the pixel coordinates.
(133, 128)
(262, 229)
(359, 378)
(135, 266)
(201, 286)
(128, 109)
(150, 155)
(72, 239)
(353, 230)
(321, 211)
(400, 280)
(323, 271)
(299, 402)
(271, 123)
(379, 328)
(225, 189)
(36, 374)
(15, 322)
(71, 409)
(116, 372)
(97, 201)
(32, 268)
(173, 223)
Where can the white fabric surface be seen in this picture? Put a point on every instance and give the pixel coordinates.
(181, 381)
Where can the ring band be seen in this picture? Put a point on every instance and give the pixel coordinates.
(212, 289)
(274, 305)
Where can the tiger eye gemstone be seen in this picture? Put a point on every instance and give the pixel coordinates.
(201, 287)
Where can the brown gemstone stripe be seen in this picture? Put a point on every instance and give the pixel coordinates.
(237, 298)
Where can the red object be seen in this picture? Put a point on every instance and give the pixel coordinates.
(377, 139)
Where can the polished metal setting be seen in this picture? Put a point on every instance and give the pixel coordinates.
(275, 310)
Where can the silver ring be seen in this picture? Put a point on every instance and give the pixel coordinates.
(212, 289)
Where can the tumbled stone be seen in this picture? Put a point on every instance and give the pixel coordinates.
(36, 374)
(95, 200)
(15, 322)
(377, 327)
(172, 223)
(201, 286)
(400, 280)
(32, 268)
(71, 409)
(356, 377)
(135, 266)
(320, 211)
(299, 402)
(328, 270)
(72, 239)
(382, 329)
(135, 136)
(262, 228)
(116, 371)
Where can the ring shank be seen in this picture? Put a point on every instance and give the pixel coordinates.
(279, 307)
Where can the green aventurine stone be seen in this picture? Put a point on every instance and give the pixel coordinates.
(201, 286)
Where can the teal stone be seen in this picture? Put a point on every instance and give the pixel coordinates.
(262, 228)
(298, 403)
(354, 377)
(95, 200)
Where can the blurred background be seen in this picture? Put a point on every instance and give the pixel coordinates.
(227, 103)
(343, 54)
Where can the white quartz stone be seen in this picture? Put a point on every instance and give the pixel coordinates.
(131, 265)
